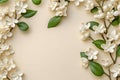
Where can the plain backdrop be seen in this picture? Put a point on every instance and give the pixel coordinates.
(52, 54)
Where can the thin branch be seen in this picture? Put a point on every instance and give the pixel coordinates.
(112, 58)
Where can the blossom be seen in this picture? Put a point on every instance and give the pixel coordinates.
(3, 47)
(7, 64)
(92, 54)
(21, 7)
(115, 69)
(11, 21)
(89, 5)
(60, 7)
(15, 75)
(99, 29)
(85, 62)
(113, 35)
(109, 47)
(77, 2)
(3, 74)
(106, 62)
(84, 30)
(99, 15)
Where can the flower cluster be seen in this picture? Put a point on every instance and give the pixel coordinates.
(59, 6)
(9, 18)
(106, 14)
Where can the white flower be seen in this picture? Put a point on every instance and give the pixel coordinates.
(84, 30)
(21, 7)
(11, 21)
(85, 62)
(15, 75)
(99, 15)
(7, 64)
(3, 74)
(109, 47)
(115, 69)
(106, 62)
(89, 5)
(3, 47)
(77, 2)
(92, 54)
(113, 35)
(62, 12)
(7, 35)
(99, 29)
(53, 5)
(110, 16)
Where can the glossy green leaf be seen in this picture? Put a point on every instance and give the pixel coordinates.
(37, 2)
(118, 51)
(96, 68)
(98, 43)
(29, 13)
(82, 54)
(53, 22)
(23, 26)
(94, 10)
(93, 23)
(3, 1)
(116, 21)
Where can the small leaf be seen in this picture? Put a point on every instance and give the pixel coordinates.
(96, 68)
(94, 10)
(98, 43)
(37, 2)
(29, 13)
(82, 54)
(3, 1)
(116, 21)
(93, 23)
(23, 26)
(53, 22)
(118, 51)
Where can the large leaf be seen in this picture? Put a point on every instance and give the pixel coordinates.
(118, 51)
(98, 43)
(23, 26)
(36, 2)
(29, 13)
(82, 54)
(96, 68)
(93, 23)
(53, 22)
(3, 1)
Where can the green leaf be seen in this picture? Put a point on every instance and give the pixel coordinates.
(29, 13)
(118, 51)
(53, 22)
(93, 23)
(23, 26)
(3, 1)
(94, 10)
(98, 43)
(82, 54)
(96, 68)
(116, 21)
(37, 2)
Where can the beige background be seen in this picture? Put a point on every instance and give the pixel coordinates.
(52, 54)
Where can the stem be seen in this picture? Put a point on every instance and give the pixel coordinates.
(91, 38)
(109, 74)
(112, 58)
(103, 37)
